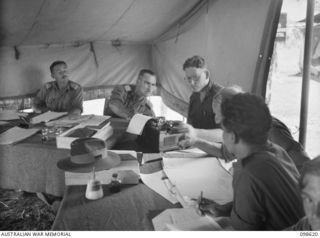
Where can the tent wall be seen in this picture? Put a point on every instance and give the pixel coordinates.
(235, 37)
(229, 35)
(95, 66)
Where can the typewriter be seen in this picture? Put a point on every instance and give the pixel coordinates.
(159, 135)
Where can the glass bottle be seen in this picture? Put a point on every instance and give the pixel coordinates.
(115, 184)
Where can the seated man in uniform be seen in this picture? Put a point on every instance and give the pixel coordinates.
(266, 193)
(127, 100)
(61, 95)
(200, 114)
(310, 192)
(279, 134)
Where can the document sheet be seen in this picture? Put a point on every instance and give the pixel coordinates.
(16, 134)
(184, 219)
(47, 116)
(137, 123)
(155, 182)
(192, 176)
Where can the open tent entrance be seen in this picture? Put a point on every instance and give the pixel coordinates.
(285, 77)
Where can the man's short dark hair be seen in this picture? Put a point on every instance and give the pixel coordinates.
(247, 116)
(311, 167)
(195, 61)
(56, 63)
(146, 71)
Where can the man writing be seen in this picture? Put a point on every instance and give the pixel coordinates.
(127, 100)
(265, 179)
(61, 95)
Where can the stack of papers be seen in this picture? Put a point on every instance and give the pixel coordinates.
(64, 140)
(85, 120)
(15, 135)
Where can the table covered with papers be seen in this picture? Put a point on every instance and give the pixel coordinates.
(137, 207)
(30, 165)
(131, 209)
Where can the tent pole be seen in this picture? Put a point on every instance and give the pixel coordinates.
(306, 73)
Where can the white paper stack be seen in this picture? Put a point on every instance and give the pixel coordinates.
(64, 141)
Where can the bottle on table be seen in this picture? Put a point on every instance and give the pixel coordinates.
(94, 189)
(115, 184)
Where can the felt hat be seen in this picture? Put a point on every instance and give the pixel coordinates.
(87, 153)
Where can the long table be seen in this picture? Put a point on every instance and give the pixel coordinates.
(131, 209)
(31, 165)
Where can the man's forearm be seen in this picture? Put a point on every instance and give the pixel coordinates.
(214, 135)
(212, 148)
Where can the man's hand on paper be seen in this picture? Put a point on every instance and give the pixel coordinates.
(189, 137)
(185, 142)
(214, 209)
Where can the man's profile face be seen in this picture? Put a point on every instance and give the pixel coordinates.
(146, 84)
(310, 194)
(228, 139)
(60, 73)
(197, 78)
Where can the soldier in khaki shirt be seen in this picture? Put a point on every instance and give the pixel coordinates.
(127, 100)
(61, 95)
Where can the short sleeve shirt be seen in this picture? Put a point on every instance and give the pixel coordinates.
(50, 97)
(200, 113)
(266, 194)
(132, 103)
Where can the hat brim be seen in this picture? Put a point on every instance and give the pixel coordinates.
(111, 160)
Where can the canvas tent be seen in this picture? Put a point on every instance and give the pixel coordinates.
(106, 42)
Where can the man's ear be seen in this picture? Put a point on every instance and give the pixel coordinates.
(52, 75)
(234, 138)
(207, 72)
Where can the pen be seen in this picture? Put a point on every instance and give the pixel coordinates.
(200, 212)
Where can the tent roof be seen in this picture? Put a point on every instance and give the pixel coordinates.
(35, 22)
